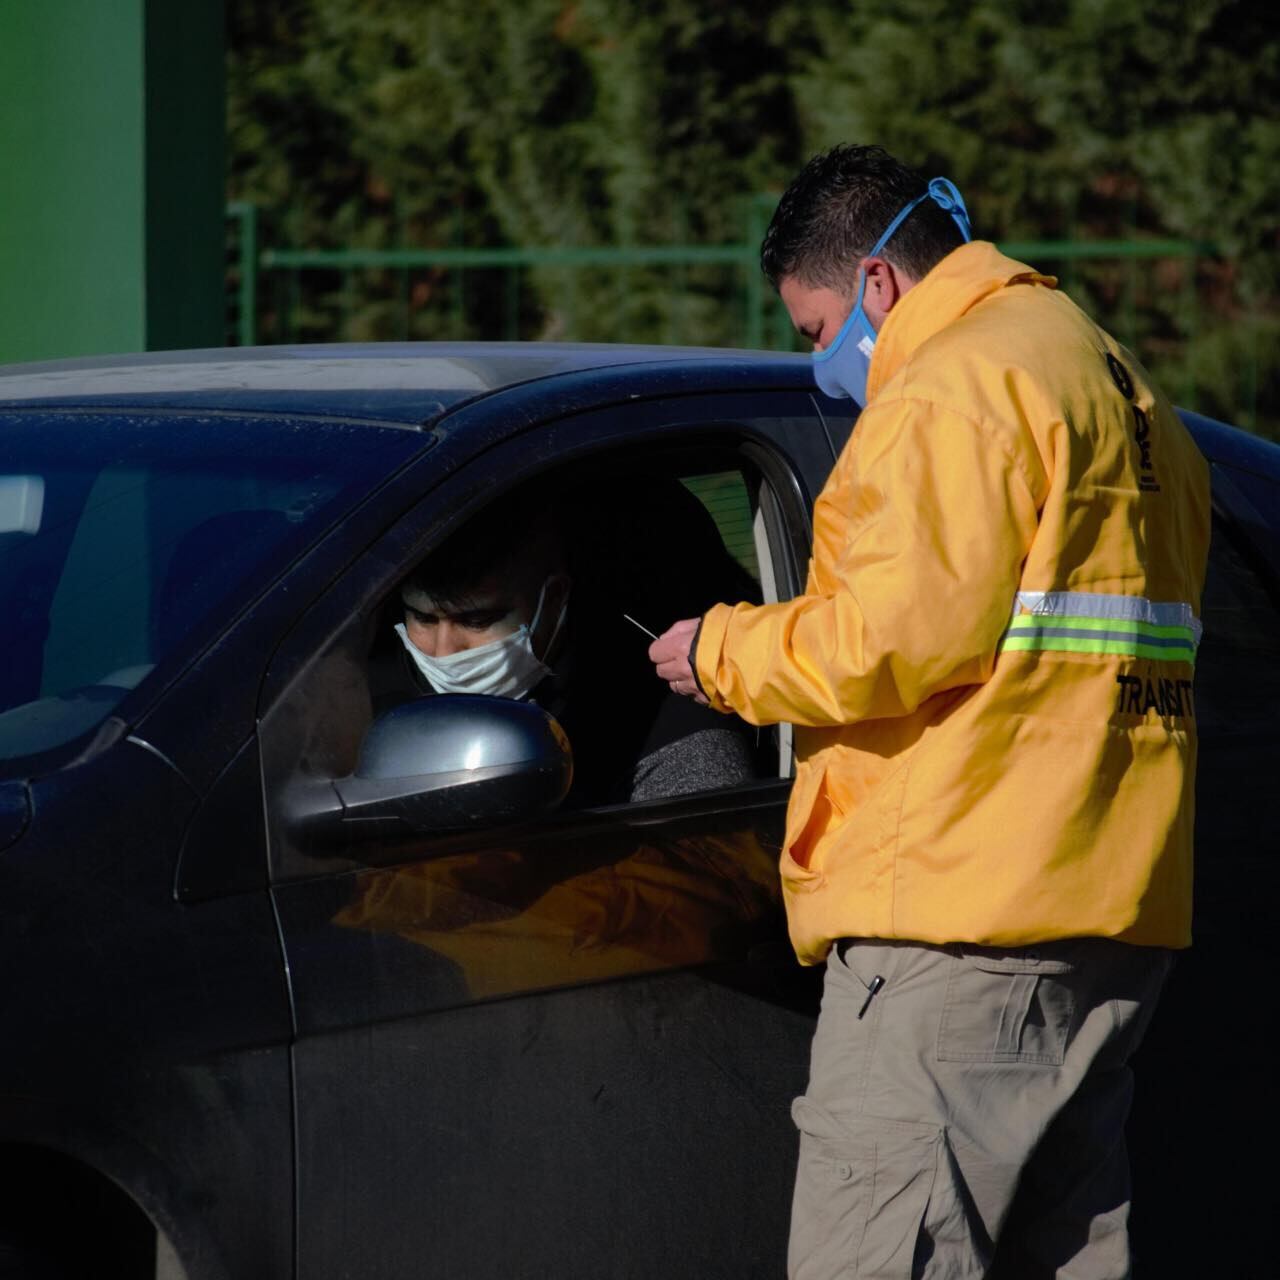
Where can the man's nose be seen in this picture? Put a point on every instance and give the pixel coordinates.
(449, 638)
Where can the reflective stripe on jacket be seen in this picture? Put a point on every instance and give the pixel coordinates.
(992, 660)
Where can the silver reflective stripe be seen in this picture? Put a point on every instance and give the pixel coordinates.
(1092, 604)
(1088, 622)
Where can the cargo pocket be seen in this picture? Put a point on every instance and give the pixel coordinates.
(862, 1194)
(1006, 1006)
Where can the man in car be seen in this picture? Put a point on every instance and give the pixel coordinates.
(510, 607)
(989, 837)
(522, 603)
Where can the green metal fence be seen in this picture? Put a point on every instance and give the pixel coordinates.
(717, 295)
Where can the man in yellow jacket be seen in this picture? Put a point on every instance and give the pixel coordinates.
(989, 837)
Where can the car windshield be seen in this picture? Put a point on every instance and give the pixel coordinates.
(125, 539)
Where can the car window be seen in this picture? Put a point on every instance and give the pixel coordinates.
(1237, 692)
(121, 538)
(662, 855)
(838, 418)
(727, 499)
(553, 594)
(654, 534)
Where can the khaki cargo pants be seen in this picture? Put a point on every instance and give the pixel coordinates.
(970, 1075)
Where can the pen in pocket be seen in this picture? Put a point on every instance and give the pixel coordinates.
(876, 983)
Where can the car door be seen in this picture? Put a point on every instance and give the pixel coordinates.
(145, 1086)
(1204, 1073)
(566, 1048)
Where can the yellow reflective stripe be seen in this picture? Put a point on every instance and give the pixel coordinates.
(1103, 605)
(1031, 622)
(1075, 644)
(1095, 623)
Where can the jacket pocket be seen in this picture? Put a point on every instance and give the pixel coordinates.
(811, 814)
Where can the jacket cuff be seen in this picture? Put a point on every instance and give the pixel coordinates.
(704, 657)
(693, 658)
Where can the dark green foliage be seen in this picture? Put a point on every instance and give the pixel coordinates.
(553, 123)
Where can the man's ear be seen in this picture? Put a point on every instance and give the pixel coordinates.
(885, 286)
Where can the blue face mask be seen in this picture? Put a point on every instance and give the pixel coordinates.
(841, 368)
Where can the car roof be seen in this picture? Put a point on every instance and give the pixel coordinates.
(407, 383)
(411, 384)
(1220, 442)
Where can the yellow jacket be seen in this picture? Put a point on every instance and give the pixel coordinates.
(994, 651)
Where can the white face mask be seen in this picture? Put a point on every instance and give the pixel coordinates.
(504, 668)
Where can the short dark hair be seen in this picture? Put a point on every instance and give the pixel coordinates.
(516, 539)
(838, 206)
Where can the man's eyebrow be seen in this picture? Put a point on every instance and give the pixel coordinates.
(499, 609)
(460, 610)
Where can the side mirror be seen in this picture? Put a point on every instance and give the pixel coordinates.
(447, 763)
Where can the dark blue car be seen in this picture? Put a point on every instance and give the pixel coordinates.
(295, 987)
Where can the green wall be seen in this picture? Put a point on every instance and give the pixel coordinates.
(111, 176)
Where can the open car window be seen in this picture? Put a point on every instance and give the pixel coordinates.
(653, 534)
(642, 548)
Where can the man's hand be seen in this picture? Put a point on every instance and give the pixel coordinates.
(670, 654)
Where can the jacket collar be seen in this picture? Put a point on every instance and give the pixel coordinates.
(958, 283)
